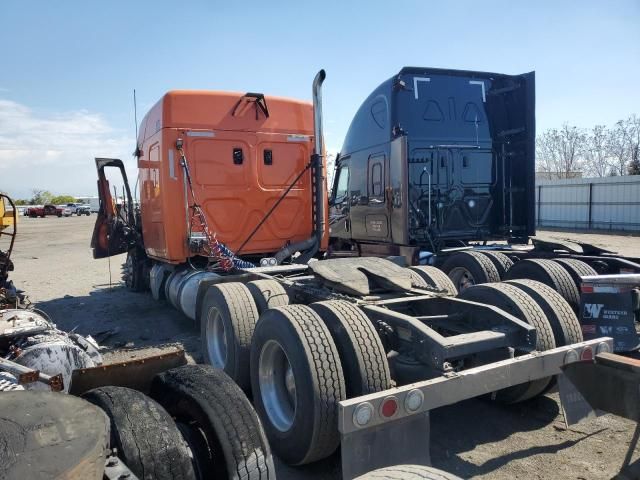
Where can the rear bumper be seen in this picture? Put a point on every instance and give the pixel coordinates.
(367, 446)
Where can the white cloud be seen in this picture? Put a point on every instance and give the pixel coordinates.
(55, 152)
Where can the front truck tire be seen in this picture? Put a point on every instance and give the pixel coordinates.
(208, 402)
(135, 271)
(297, 382)
(227, 320)
(522, 306)
(470, 268)
(145, 435)
(408, 472)
(364, 361)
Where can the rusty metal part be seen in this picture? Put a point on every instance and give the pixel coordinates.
(26, 375)
(22, 373)
(56, 382)
(136, 374)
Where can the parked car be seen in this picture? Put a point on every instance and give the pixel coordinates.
(42, 212)
(83, 209)
(66, 211)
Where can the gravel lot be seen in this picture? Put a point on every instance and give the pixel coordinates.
(472, 439)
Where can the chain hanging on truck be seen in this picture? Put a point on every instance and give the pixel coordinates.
(212, 248)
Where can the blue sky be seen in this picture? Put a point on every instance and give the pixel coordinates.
(69, 67)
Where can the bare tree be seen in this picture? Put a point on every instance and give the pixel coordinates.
(619, 145)
(596, 152)
(633, 123)
(558, 151)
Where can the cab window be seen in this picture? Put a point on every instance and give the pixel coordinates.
(342, 184)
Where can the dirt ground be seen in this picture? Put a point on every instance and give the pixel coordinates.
(473, 439)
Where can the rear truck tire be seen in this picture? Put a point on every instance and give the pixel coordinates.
(227, 320)
(147, 438)
(408, 472)
(423, 275)
(500, 261)
(550, 273)
(364, 361)
(564, 323)
(268, 294)
(522, 306)
(470, 268)
(209, 402)
(576, 268)
(297, 382)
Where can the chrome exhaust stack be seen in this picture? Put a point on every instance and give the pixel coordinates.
(309, 247)
(318, 157)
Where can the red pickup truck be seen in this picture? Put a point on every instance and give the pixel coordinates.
(34, 212)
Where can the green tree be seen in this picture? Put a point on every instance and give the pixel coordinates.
(62, 199)
(40, 197)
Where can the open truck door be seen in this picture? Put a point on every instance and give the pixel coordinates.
(114, 230)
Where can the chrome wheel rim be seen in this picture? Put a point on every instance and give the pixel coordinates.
(216, 339)
(277, 385)
(462, 278)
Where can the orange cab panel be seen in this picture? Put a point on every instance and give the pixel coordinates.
(242, 155)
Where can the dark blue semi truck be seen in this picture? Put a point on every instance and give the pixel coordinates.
(438, 156)
(438, 168)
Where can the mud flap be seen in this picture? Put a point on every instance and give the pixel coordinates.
(609, 384)
(405, 441)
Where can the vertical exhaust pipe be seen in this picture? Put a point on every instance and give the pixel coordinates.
(318, 156)
(311, 245)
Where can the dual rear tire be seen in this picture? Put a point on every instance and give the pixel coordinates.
(297, 361)
(304, 361)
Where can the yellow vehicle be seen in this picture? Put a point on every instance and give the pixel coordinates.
(8, 223)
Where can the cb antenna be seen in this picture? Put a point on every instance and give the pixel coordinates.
(135, 116)
(137, 151)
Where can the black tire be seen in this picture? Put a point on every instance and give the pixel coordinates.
(500, 261)
(565, 324)
(134, 270)
(146, 436)
(408, 472)
(364, 361)
(310, 432)
(550, 273)
(207, 400)
(576, 268)
(268, 294)
(470, 268)
(231, 306)
(433, 277)
(519, 304)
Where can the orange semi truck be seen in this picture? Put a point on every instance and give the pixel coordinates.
(349, 353)
(219, 172)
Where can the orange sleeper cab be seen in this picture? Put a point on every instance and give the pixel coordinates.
(243, 151)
